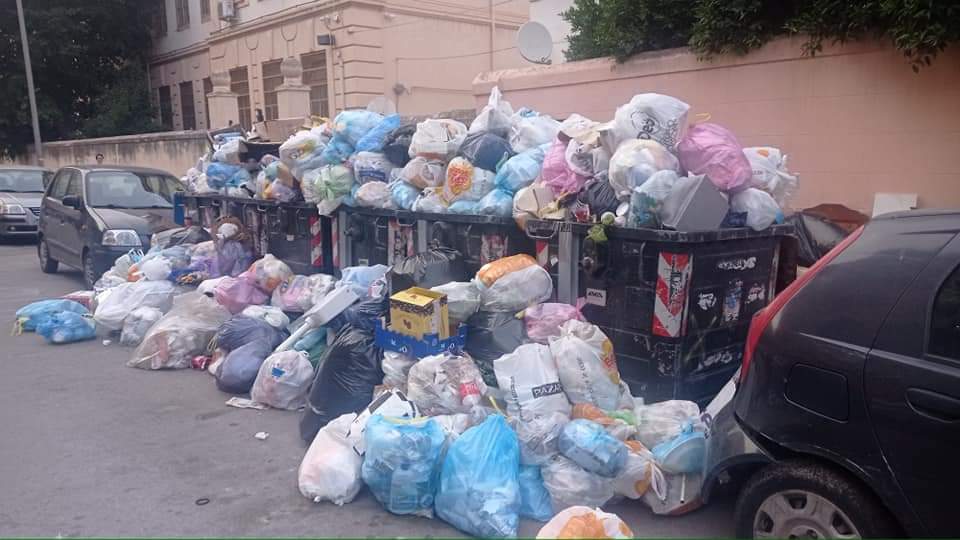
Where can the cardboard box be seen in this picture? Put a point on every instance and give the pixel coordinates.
(417, 312)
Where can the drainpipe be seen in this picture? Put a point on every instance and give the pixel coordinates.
(493, 30)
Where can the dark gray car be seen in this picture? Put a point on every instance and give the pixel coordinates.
(21, 188)
(90, 215)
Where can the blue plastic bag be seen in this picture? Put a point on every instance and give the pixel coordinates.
(402, 463)
(684, 454)
(359, 278)
(496, 203)
(589, 445)
(30, 316)
(219, 174)
(534, 497)
(337, 151)
(67, 327)
(480, 481)
(374, 139)
(404, 195)
(464, 207)
(521, 170)
(352, 125)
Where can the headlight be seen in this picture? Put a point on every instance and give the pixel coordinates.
(121, 237)
(8, 209)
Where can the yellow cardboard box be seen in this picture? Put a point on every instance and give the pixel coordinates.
(417, 312)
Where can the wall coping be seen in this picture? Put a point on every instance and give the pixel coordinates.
(136, 138)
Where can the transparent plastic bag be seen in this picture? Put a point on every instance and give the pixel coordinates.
(570, 485)
(585, 522)
(155, 269)
(660, 422)
(300, 146)
(651, 116)
(534, 498)
(495, 116)
(371, 167)
(587, 365)
(421, 172)
(445, 384)
(181, 334)
(713, 150)
(403, 194)
(374, 195)
(294, 294)
(529, 129)
(494, 270)
(770, 173)
(539, 436)
(237, 293)
(518, 290)
(556, 172)
(137, 324)
(353, 124)
(635, 161)
(466, 182)
(465, 208)
(375, 138)
(273, 316)
(283, 380)
(67, 327)
(521, 170)
(124, 298)
(396, 367)
(530, 374)
(761, 209)
(479, 490)
(543, 321)
(496, 203)
(330, 470)
(589, 445)
(638, 475)
(647, 199)
(438, 138)
(269, 272)
(430, 201)
(463, 299)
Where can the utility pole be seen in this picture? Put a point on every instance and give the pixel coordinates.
(37, 148)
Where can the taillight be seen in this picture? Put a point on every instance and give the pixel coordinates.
(763, 317)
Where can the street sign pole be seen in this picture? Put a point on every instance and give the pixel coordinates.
(37, 148)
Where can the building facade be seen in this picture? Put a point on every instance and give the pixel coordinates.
(226, 57)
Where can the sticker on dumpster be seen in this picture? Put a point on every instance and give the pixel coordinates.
(597, 297)
(673, 280)
(756, 293)
(743, 263)
(706, 300)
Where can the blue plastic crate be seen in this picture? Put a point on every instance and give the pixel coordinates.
(430, 345)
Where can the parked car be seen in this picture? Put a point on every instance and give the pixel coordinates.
(21, 188)
(90, 215)
(847, 413)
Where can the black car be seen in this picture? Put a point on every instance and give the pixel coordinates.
(846, 419)
(90, 215)
(21, 188)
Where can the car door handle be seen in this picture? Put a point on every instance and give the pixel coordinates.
(934, 405)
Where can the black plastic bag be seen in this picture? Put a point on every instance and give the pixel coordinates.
(397, 145)
(485, 150)
(181, 236)
(240, 330)
(599, 195)
(364, 315)
(491, 335)
(349, 370)
(816, 236)
(235, 375)
(436, 266)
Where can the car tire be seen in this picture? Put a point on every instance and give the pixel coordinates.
(48, 265)
(89, 271)
(806, 499)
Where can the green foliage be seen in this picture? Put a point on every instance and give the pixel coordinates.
(621, 28)
(87, 57)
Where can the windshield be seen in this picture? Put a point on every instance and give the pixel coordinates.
(121, 189)
(23, 181)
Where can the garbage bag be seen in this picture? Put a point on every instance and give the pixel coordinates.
(463, 300)
(496, 203)
(268, 314)
(534, 498)
(330, 470)
(314, 343)
(479, 489)
(360, 279)
(138, 323)
(237, 293)
(31, 315)
(529, 377)
(421, 172)
(465, 181)
(396, 367)
(403, 194)
(300, 146)
(464, 208)
(492, 334)
(651, 116)
(233, 258)
(713, 150)
(588, 445)
(599, 195)
(352, 125)
(661, 422)
(84, 298)
(437, 138)
(430, 201)
(646, 201)
(371, 167)
(220, 175)
(518, 290)
(769, 172)
(639, 474)
(585, 522)
(485, 150)
(543, 320)
(337, 151)
(374, 139)
(816, 236)
(326, 183)
(556, 172)
(529, 129)
(494, 117)
(240, 330)
(238, 370)
(67, 327)
(445, 384)
(391, 403)
(295, 294)
(521, 170)
(283, 380)
(570, 485)
(587, 365)
(182, 236)
(539, 436)
(367, 313)
(620, 424)
(761, 209)
(401, 465)
(684, 454)
(269, 272)
(184, 332)
(349, 370)
(494, 270)
(374, 195)
(680, 494)
(397, 145)
(436, 266)
(126, 297)
(635, 161)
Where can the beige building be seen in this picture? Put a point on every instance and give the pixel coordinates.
(217, 61)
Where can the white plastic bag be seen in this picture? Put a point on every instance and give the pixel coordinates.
(181, 334)
(571, 485)
(494, 116)
(437, 138)
(269, 314)
(396, 367)
(371, 167)
(647, 200)
(430, 201)
(155, 269)
(463, 299)
(635, 161)
(421, 172)
(587, 365)
(374, 195)
(138, 323)
(585, 522)
(294, 294)
(530, 380)
(530, 129)
(762, 211)
(126, 297)
(770, 172)
(660, 422)
(330, 470)
(518, 290)
(445, 384)
(283, 380)
(651, 116)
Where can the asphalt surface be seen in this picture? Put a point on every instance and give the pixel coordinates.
(90, 447)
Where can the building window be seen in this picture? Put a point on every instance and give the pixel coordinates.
(240, 85)
(204, 11)
(272, 78)
(315, 76)
(158, 17)
(188, 111)
(183, 14)
(166, 108)
(207, 88)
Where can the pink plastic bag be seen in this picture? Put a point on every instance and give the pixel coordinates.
(238, 293)
(543, 320)
(556, 172)
(713, 150)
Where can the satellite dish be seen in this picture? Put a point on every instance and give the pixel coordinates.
(535, 43)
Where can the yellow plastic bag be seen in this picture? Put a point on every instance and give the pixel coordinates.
(584, 522)
(494, 270)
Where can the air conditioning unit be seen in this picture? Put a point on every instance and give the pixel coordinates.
(226, 10)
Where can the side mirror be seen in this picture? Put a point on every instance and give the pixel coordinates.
(72, 201)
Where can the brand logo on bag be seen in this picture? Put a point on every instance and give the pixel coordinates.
(597, 297)
(545, 390)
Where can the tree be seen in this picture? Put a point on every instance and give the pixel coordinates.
(919, 28)
(89, 67)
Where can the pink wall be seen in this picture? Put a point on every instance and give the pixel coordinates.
(855, 120)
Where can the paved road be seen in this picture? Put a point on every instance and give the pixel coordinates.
(89, 447)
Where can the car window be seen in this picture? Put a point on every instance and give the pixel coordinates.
(12, 180)
(945, 320)
(75, 187)
(124, 189)
(60, 182)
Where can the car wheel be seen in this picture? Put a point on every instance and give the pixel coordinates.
(48, 265)
(89, 272)
(805, 499)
